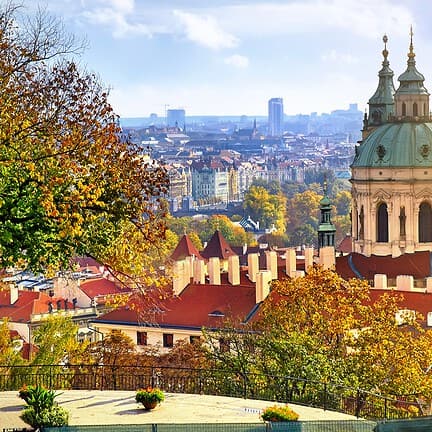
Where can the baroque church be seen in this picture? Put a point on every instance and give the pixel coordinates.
(392, 169)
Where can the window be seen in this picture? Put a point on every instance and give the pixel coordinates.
(382, 225)
(425, 223)
(194, 339)
(141, 338)
(168, 340)
(403, 109)
(415, 110)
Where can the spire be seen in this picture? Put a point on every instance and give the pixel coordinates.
(381, 104)
(326, 228)
(412, 97)
(411, 81)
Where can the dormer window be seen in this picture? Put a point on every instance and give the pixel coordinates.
(216, 313)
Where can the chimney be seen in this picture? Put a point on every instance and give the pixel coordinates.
(404, 283)
(186, 271)
(429, 284)
(380, 281)
(199, 271)
(190, 261)
(263, 279)
(178, 277)
(13, 293)
(308, 254)
(327, 257)
(234, 270)
(214, 271)
(271, 263)
(290, 262)
(253, 266)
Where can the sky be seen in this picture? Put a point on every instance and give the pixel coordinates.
(229, 57)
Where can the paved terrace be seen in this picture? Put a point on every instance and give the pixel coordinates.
(93, 407)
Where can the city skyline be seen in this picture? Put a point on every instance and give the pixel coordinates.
(229, 57)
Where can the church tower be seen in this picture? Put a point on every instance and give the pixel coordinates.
(392, 170)
(381, 104)
(326, 228)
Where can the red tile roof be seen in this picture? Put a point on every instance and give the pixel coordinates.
(217, 247)
(195, 306)
(345, 246)
(356, 265)
(184, 249)
(28, 303)
(100, 287)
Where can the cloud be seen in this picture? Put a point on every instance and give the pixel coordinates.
(337, 57)
(205, 30)
(116, 14)
(237, 61)
(366, 18)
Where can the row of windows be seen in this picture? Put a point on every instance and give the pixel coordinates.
(167, 339)
(424, 223)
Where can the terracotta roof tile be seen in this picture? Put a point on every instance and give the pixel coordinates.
(193, 306)
(217, 247)
(357, 265)
(185, 248)
(99, 287)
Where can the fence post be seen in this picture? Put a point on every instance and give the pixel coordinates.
(325, 396)
(385, 408)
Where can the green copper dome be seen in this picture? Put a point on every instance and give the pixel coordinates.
(396, 145)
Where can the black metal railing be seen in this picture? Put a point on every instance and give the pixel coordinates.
(212, 382)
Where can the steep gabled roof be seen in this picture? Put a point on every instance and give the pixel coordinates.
(217, 247)
(184, 249)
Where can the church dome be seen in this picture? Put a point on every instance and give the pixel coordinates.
(401, 144)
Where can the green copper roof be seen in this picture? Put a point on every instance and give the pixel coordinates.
(385, 90)
(396, 145)
(411, 81)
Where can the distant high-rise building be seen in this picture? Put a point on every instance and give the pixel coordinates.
(275, 116)
(176, 117)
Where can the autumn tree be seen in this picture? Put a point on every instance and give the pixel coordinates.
(9, 347)
(267, 208)
(56, 341)
(70, 183)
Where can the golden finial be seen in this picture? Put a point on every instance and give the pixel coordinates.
(411, 51)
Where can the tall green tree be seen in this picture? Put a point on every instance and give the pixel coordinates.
(69, 180)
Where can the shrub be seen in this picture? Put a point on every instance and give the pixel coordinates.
(150, 394)
(42, 410)
(49, 417)
(279, 414)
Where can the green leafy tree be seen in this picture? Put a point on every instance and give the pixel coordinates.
(266, 208)
(69, 180)
(56, 340)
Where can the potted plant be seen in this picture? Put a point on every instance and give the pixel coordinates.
(42, 410)
(25, 391)
(149, 397)
(284, 413)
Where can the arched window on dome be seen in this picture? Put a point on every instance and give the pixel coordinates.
(415, 109)
(425, 223)
(403, 109)
(382, 223)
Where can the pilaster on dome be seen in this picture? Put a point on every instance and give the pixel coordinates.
(381, 104)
